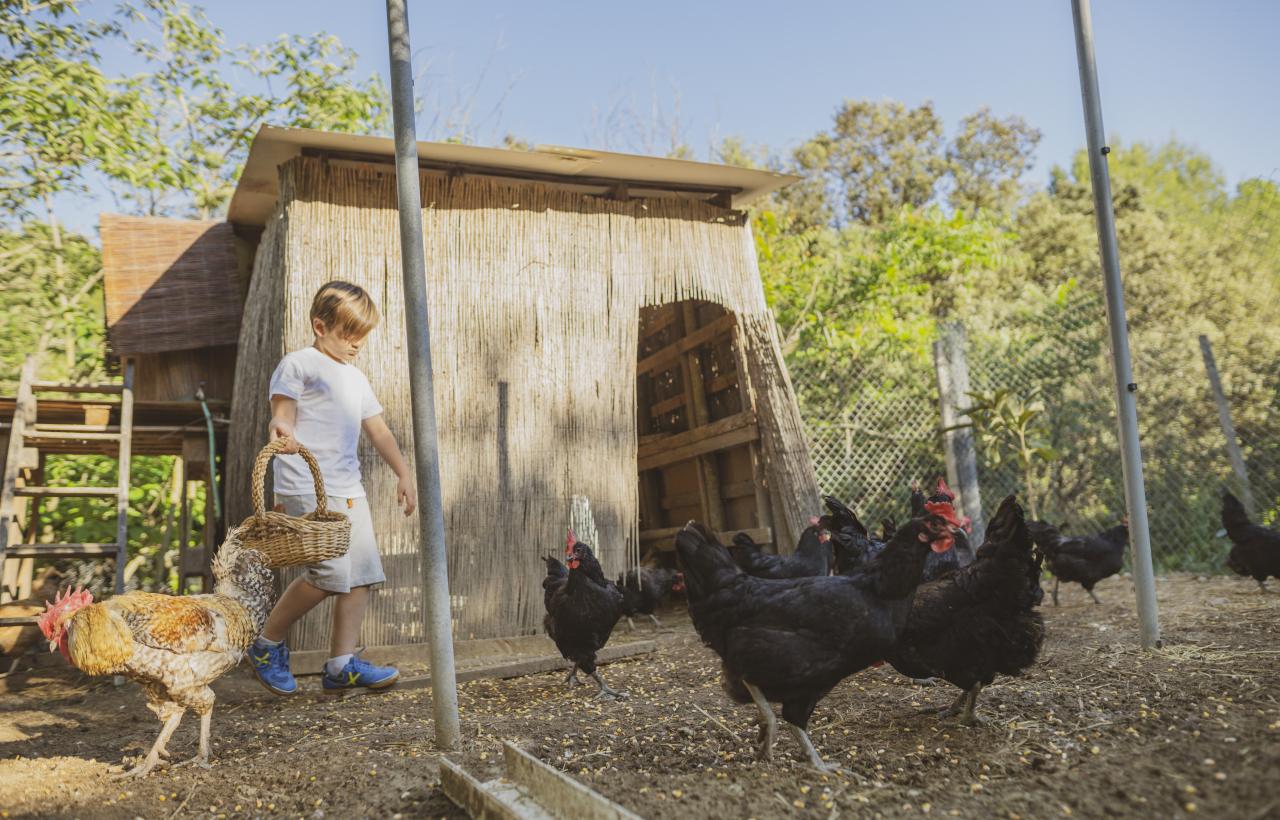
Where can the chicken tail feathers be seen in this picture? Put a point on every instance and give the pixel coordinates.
(841, 515)
(705, 562)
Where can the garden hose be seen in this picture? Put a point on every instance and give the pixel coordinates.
(213, 456)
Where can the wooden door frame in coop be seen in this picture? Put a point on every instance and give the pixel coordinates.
(698, 433)
(540, 266)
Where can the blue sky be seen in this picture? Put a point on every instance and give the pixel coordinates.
(773, 73)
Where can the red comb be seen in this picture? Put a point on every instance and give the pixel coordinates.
(813, 520)
(943, 489)
(570, 539)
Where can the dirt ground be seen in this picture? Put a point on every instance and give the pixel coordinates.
(1097, 729)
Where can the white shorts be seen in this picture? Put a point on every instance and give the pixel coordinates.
(362, 565)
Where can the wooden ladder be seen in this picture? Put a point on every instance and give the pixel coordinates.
(28, 439)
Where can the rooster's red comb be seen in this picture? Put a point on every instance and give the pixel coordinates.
(943, 509)
(943, 489)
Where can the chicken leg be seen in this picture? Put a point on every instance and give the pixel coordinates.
(202, 756)
(1094, 597)
(1055, 591)
(970, 700)
(174, 716)
(571, 680)
(631, 625)
(815, 759)
(1262, 587)
(656, 623)
(605, 691)
(768, 722)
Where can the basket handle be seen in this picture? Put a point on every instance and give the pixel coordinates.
(260, 475)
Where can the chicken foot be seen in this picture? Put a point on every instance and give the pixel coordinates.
(964, 705)
(153, 757)
(815, 759)
(1262, 587)
(656, 623)
(571, 680)
(202, 756)
(768, 722)
(1094, 597)
(605, 691)
(948, 711)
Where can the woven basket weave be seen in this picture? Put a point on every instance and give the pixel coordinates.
(286, 540)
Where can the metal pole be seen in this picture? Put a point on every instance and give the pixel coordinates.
(962, 456)
(1228, 429)
(1135, 494)
(435, 570)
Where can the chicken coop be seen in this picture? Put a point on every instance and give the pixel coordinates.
(602, 349)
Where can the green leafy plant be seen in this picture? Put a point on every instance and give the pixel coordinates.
(1013, 427)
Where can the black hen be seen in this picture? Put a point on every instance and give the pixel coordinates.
(1255, 549)
(812, 556)
(980, 620)
(852, 545)
(792, 640)
(1085, 560)
(582, 610)
(642, 593)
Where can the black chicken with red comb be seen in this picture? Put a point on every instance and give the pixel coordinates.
(582, 610)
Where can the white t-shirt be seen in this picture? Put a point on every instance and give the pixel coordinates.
(333, 399)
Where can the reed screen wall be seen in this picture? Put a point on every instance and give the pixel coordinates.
(535, 293)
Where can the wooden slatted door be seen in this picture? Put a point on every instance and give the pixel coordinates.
(697, 452)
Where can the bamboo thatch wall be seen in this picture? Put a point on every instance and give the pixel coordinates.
(535, 295)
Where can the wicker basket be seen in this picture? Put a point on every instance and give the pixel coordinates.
(287, 541)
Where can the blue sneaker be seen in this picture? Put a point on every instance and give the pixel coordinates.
(271, 667)
(359, 672)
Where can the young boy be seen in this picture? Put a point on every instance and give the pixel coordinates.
(321, 400)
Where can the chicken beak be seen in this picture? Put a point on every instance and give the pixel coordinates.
(53, 645)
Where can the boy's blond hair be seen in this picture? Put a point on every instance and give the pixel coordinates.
(345, 309)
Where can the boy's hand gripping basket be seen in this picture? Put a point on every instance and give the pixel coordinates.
(287, 541)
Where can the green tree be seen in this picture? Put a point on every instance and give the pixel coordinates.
(877, 158)
(43, 299)
(59, 114)
(197, 126)
(60, 117)
(860, 305)
(987, 160)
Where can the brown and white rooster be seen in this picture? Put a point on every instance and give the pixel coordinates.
(173, 646)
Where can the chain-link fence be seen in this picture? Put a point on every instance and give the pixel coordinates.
(1054, 440)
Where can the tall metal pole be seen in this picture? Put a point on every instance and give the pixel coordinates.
(1228, 429)
(953, 392)
(435, 571)
(1135, 494)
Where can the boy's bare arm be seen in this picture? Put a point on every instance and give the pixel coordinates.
(384, 441)
(284, 415)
